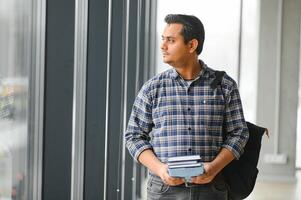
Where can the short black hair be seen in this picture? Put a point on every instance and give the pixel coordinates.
(193, 28)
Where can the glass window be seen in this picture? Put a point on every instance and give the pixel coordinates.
(298, 146)
(15, 67)
(249, 58)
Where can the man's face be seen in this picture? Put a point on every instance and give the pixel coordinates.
(173, 47)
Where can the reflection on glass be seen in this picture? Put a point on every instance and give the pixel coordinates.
(15, 54)
(298, 146)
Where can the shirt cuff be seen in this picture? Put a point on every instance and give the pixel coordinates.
(137, 148)
(235, 149)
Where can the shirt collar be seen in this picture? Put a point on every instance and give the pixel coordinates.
(204, 72)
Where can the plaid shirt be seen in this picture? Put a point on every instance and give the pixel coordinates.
(175, 118)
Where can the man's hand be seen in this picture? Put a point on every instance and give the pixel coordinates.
(214, 167)
(207, 177)
(163, 174)
(148, 159)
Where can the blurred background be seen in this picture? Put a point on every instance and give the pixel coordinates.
(70, 70)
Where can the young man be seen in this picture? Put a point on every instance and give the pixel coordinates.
(176, 113)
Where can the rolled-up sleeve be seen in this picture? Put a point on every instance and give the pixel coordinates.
(139, 125)
(237, 133)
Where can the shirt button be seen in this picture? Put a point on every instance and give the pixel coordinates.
(189, 128)
(189, 149)
(204, 101)
(188, 109)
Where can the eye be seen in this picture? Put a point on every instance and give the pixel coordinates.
(170, 40)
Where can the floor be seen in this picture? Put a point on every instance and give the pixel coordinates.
(267, 190)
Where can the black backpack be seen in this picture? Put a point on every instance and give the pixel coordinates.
(241, 174)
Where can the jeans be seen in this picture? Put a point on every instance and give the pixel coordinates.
(157, 189)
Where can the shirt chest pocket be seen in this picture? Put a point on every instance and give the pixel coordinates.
(212, 111)
(213, 105)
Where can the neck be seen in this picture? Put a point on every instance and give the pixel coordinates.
(189, 70)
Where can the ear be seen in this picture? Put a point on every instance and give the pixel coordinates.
(193, 44)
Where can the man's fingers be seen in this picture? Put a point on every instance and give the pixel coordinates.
(201, 179)
(176, 182)
(196, 178)
(172, 181)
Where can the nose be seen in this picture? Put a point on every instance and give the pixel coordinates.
(163, 45)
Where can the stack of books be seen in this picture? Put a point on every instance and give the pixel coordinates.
(185, 166)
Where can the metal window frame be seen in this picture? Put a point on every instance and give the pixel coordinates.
(116, 61)
(36, 102)
(115, 105)
(58, 99)
(97, 100)
(147, 51)
(107, 98)
(79, 99)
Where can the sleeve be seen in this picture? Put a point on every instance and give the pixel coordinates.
(140, 125)
(237, 133)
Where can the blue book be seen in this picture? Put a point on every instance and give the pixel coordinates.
(182, 163)
(186, 172)
(184, 158)
(185, 165)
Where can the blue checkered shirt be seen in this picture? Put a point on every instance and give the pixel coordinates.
(175, 118)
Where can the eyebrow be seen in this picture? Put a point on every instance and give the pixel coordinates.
(168, 37)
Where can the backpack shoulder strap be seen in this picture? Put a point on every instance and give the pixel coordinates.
(218, 79)
(214, 84)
